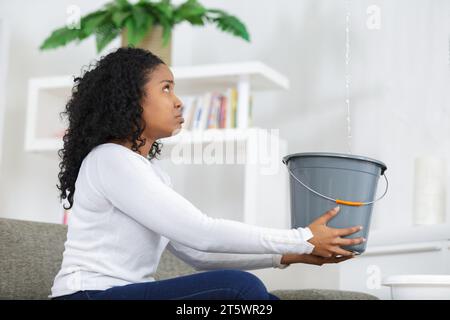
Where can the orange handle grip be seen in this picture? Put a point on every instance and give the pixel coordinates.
(349, 203)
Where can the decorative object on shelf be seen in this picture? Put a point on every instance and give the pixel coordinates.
(145, 24)
(429, 190)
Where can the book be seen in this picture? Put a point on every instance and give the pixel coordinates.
(213, 119)
(205, 107)
(211, 110)
(188, 106)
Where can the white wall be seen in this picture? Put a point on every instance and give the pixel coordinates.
(400, 81)
(400, 86)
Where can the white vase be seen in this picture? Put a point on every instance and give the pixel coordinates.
(429, 190)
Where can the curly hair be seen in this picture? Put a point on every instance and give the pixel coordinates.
(105, 104)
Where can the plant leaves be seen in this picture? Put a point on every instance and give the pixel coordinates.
(191, 11)
(165, 10)
(119, 17)
(231, 24)
(135, 33)
(130, 25)
(162, 14)
(92, 21)
(140, 16)
(122, 3)
(104, 35)
(167, 32)
(138, 19)
(141, 25)
(60, 37)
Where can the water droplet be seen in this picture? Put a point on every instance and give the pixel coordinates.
(347, 74)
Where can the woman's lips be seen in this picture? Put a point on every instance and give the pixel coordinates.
(181, 119)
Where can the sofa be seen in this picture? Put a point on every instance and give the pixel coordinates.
(31, 254)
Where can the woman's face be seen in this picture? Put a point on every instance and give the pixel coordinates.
(162, 108)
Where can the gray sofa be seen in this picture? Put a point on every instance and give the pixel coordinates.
(31, 253)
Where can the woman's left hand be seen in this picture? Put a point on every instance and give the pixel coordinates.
(312, 259)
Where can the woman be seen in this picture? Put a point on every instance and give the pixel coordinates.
(125, 212)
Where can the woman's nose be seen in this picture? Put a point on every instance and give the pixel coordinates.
(179, 105)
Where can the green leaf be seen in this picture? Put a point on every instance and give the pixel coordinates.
(92, 21)
(104, 35)
(122, 3)
(162, 14)
(167, 32)
(164, 9)
(135, 33)
(130, 25)
(119, 17)
(191, 11)
(231, 24)
(60, 37)
(140, 16)
(142, 24)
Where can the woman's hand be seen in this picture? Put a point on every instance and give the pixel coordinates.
(312, 259)
(327, 241)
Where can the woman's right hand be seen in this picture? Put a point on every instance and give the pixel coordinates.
(327, 241)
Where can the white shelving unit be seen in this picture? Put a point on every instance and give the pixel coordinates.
(47, 96)
(263, 181)
(255, 163)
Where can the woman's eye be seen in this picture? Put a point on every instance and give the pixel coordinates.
(166, 88)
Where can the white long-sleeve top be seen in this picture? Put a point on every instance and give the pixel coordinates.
(125, 213)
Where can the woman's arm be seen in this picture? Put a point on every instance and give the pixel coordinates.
(132, 186)
(200, 260)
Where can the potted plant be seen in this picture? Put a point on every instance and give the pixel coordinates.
(146, 24)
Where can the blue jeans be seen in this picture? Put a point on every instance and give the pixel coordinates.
(210, 285)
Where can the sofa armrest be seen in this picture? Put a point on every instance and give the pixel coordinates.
(321, 294)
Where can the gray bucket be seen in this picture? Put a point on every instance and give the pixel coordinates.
(321, 181)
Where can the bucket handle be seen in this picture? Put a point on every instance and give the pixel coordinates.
(339, 201)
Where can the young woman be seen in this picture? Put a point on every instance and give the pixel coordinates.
(125, 213)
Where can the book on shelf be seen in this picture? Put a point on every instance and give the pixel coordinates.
(212, 110)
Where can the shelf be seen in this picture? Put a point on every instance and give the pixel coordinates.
(222, 76)
(411, 234)
(47, 97)
(405, 248)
